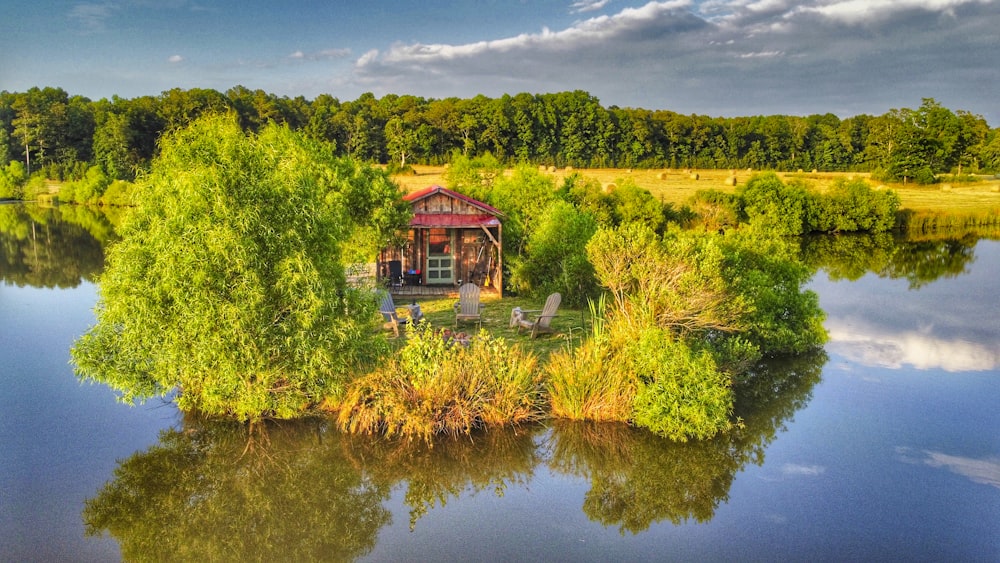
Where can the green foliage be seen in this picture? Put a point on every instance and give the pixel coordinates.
(473, 176)
(12, 180)
(716, 209)
(555, 259)
(523, 197)
(681, 394)
(119, 193)
(588, 196)
(633, 204)
(677, 282)
(437, 385)
(766, 274)
(772, 206)
(852, 205)
(586, 382)
(90, 189)
(228, 283)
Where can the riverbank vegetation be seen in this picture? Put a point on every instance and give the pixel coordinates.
(228, 287)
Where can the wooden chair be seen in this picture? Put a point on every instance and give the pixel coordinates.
(468, 307)
(391, 316)
(541, 322)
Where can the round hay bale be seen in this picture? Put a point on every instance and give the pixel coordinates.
(687, 170)
(995, 189)
(945, 187)
(749, 170)
(815, 171)
(661, 176)
(609, 188)
(731, 181)
(543, 168)
(552, 168)
(695, 176)
(628, 170)
(569, 169)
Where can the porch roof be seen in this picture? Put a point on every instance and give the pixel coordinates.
(452, 220)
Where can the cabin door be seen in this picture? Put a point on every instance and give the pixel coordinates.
(440, 257)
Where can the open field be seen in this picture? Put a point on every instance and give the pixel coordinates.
(677, 186)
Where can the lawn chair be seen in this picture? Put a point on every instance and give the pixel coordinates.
(389, 313)
(541, 322)
(468, 307)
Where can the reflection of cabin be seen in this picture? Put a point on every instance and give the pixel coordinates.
(453, 239)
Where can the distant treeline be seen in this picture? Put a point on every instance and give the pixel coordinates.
(49, 131)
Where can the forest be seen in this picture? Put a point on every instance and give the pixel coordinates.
(48, 133)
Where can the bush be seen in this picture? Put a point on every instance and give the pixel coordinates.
(12, 179)
(555, 259)
(853, 206)
(681, 394)
(437, 386)
(774, 207)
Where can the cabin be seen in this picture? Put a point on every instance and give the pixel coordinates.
(453, 239)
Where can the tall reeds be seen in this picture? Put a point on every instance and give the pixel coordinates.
(438, 385)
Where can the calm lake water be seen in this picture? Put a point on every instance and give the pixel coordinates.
(884, 447)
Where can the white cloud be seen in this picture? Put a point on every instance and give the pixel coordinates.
(591, 32)
(984, 471)
(174, 59)
(588, 6)
(91, 18)
(854, 12)
(321, 55)
(795, 469)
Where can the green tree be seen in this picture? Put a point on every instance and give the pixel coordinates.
(555, 257)
(772, 206)
(228, 284)
(522, 197)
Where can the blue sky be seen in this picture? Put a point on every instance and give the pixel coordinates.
(712, 57)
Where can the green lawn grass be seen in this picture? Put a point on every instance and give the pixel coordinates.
(569, 323)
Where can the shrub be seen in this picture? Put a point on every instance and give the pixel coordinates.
(681, 393)
(853, 206)
(772, 206)
(437, 386)
(555, 259)
(12, 181)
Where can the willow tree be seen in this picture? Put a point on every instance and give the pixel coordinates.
(228, 284)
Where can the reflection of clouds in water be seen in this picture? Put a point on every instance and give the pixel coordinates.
(872, 346)
(984, 471)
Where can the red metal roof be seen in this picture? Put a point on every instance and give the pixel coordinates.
(453, 220)
(431, 190)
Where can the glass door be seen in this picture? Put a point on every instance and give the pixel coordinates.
(440, 260)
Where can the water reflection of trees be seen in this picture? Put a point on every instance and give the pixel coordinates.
(222, 492)
(304, 491)
(51, 246)
(637, 479)
(917, 261)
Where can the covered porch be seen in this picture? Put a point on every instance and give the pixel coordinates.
(453, 239)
